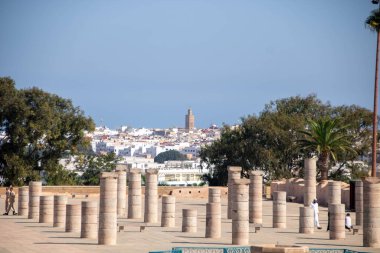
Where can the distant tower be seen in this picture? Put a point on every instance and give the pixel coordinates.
(189, 120)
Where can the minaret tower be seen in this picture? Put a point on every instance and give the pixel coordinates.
(189, 120)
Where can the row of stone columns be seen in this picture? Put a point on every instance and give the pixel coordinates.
(74, 217)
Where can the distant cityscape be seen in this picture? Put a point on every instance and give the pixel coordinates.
(137, 147)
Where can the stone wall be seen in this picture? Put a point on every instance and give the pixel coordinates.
(295, 187)
(81, 191)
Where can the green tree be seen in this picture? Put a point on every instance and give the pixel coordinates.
(325, 138)
(38, 129)
(61, 176)
(266, 142)
(170, 155)
(93, 165)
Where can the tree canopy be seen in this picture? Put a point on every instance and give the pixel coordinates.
(268, 141)
(37, 129)
(170, 155)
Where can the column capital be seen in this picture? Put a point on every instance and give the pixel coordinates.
(234, 169)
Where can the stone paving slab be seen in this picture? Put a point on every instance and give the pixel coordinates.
(18, 234)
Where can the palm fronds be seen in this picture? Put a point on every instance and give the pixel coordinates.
(373, 21)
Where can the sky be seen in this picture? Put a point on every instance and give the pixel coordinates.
(144, 63)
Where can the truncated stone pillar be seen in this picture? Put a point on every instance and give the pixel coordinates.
(46, 209)
(279, 209)
(23, 200)
(73, 218)
(151, 196)
(213, 195)
(240, 212)
(233, 173)
(89, 225)
(256, 197)
(213, 220)
(134, 194)
(35, 189)
(334, 192)
(189, 220)
(59, 219)
(359, 202)
(371, 219)
(121, 190)
(108, 209)
(168, 211)
(310, 181)
(306, 220)
(337, 218)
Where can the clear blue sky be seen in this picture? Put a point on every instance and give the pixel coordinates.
(143, 63)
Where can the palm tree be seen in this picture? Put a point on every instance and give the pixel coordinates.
(325, 138)
(373, 23)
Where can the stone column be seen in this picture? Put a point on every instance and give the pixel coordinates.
(89, 225)
(310, 192)
(240, 212)
(213, 220)
(60, 202)
(279, 209)
(35, 189)
(256, 197)
(107, 233)
(134, 194)
(334, 192)
(359, 202)
(337, 216)
(306, 225)
(121, 190)
(151, 196)
(371, 217)
(168, 211)
(46, 209)
(23, 200)
(233, 173)
(213, 195)
(73, 218)
(189, 220)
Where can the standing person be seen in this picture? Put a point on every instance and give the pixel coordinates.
(7, 192)
(348, 223)
(12, 198)
(314, 205)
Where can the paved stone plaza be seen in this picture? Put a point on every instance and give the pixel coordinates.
(19, 234)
